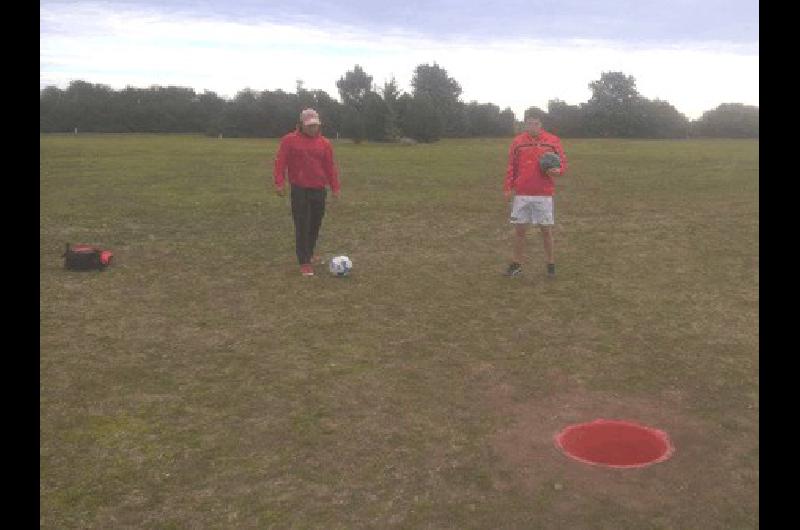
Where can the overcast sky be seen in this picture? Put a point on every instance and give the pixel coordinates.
(693, 54)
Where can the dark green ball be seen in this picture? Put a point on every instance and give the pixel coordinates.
(549, 161)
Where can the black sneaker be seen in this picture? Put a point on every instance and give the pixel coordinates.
(551, 270)
(515, 269)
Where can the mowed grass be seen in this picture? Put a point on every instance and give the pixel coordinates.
(201, 382)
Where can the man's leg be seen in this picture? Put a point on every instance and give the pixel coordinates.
(519, 242)
(515, 267)
(316, 213)
(301, 214)
(547, 239)
(519, 218)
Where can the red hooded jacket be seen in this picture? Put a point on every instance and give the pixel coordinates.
(309, 161)
(524, 175)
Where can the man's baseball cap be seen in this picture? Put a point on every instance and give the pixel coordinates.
(309, 117)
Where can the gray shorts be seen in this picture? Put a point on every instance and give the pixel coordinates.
(532, 209)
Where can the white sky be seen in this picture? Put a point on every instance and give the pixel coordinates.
(122, 45)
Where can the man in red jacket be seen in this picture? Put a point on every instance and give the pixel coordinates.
(307, 158)
(532, 189)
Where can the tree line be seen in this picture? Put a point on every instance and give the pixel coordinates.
(432, 110)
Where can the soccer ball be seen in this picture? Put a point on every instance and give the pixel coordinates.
(550, 161)
(340, 266)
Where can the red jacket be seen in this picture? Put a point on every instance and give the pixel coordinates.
(524, 175)
(309, 161)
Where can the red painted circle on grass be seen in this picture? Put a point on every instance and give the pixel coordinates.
(615, 443)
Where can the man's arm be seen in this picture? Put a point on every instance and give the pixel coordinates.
(511, 170)
(332, 171)
(279, 172)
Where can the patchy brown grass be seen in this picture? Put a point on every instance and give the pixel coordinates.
(201, 382)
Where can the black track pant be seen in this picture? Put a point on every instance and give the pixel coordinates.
(308, 208)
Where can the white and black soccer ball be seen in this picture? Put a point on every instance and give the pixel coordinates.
(340, 266)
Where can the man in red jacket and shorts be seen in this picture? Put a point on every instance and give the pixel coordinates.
(307, 158)
(532, 190)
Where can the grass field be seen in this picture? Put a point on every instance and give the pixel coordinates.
(201, 382)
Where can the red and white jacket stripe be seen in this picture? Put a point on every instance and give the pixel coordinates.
(524, 175)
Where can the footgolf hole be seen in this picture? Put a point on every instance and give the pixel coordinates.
(614, 443)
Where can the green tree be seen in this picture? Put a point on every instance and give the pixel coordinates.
(354, 86)
(534, 112)
(245, 116)
(420, 119)
(432, 83)
(86, 106)
(376, 117)
(728, 120)
(487, 120)
(662, 120)
(209, 109)
(52, 110)
(401, 107)
(565, 120)
(507, 121)
(353, 89)
(279, 111)
(613, 110)
(391, 96)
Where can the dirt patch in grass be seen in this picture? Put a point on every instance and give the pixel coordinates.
(706, 454)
